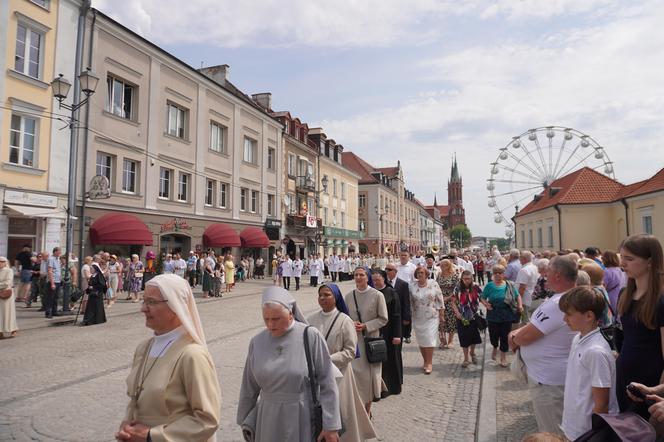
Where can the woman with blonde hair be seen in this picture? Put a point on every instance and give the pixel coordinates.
(448, 280)
(229, 272)
(427, 313)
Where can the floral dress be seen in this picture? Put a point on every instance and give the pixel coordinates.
(448, 285)
(135, 282)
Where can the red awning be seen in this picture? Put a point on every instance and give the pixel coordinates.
(121, 229)
(254, 237)
(220, 235)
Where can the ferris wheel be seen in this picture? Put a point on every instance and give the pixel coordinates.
(530, 162)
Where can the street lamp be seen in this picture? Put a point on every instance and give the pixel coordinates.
(324, 182)
(380, 214)
(60, 86)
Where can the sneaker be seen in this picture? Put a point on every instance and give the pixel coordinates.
(406, 340)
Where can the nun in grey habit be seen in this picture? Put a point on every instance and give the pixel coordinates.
(275, 401)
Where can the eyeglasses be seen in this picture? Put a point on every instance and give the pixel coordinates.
(152, 302)
(498, 273)
(390, 270)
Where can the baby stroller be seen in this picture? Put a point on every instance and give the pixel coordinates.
(623, 427)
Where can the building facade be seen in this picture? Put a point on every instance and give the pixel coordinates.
(181, 148)
(33, 148)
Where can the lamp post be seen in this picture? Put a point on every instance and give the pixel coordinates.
(324, 182)
(380, 213)
(60, 86)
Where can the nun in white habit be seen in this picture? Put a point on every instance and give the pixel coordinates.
(173, 387)
(276, 369)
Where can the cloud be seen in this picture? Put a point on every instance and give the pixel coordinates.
(603, 80)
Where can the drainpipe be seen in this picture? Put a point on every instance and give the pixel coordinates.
(81, 218)
(624, 202)
(560, 227)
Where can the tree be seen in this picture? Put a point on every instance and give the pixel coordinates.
(460, 236)
(502, 243)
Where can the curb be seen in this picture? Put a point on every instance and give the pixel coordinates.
(486, 429)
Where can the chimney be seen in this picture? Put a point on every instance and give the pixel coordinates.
(218, 73)
(264, 100)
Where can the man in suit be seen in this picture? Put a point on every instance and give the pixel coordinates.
(401, 287)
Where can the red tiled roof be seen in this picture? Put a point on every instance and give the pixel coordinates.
(653, 184)
(389, 171)
(584, 186)
(360, 167)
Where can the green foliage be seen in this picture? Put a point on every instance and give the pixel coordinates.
(502, 243)
(159, 264)
(460, 236)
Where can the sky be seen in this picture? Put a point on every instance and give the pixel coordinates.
(422, 80)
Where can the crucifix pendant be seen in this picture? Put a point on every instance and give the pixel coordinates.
(280, 349)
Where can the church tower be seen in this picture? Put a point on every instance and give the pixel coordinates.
(457, 214)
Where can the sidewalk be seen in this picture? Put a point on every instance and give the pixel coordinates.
(31, 318)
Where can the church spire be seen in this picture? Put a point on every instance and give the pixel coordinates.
(435, 203)
(455, 170)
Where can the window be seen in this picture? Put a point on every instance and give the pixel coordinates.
(539, 237)
(254, 201)
(362, 201)
(22, 140)
(177, 121)
(129, 170)
(27, 59)
(243, 199)
(250, 151)
(530, 237)
(343, 220)
(271, 155)
(209, 192)
(292, 162)
(164, 183)
(270, 205)
(343, 190)
(217, 137)
(646, 219)
(325, 213)
(334, 186)
(293, 204)
(119, 98)
(223, 195)
(104, 165)
(523, 239)
(549, 234)
(183, 187)
(334, 217)
(43, 3)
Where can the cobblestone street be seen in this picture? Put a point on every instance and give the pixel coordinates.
(64, 383)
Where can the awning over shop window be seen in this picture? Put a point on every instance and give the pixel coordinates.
(121, 229)
(37, 212)
(254, 237)
(220, 235)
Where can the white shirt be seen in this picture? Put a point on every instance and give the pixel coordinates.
(419, 261)
(287, 268)
(528, 275)
(590, 364)
(162, 343)
(297, 268)
(546, 358)
(469, 266)
(406, 271)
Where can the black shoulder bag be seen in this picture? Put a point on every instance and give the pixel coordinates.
(317, 408)
(376, 348)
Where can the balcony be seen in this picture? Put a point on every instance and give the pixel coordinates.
(299, 221)
(305, 183)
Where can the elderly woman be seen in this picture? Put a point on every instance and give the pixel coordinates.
(427, 313)
(367, 308)
(7, 305)
(393, 367)
(275, 396)
(541, 291)
(172, 384)
(448, 279)
(341, 339)
(135, 278)
(94, 308)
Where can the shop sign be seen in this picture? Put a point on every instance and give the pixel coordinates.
(271, 222)
(31, 199)
(175, 225)
(343, 233)
(312, 222)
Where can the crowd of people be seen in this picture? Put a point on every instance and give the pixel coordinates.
(584, 330)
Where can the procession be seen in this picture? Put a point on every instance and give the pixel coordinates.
(331, 221)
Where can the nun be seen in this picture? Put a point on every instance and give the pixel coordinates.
(339, 331)
(94, 306)
(276, 400)
(173, 388)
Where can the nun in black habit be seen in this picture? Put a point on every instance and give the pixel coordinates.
(94, 309)
(393, 367)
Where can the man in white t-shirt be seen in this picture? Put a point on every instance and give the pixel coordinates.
(418, 259)
(526, 280)
(590, 381)
(405, 268)
(545, 344)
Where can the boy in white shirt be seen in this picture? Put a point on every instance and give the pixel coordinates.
(591, 368)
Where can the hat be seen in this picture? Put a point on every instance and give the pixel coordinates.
(114, 257)
(281, 296)
(191, 252)
(3, 259)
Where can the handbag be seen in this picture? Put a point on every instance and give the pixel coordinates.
(613, 333)
(75, 295)
(6, 293)
(317, 408)
(376, 348)
(138, 275)
(482, 324)
(518, 368)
